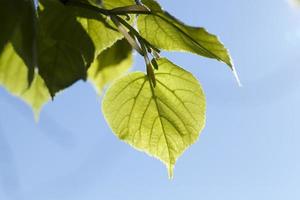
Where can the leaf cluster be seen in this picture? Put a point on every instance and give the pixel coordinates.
(47, 47)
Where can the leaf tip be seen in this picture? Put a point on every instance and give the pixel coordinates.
(36, 113)
(170, 168)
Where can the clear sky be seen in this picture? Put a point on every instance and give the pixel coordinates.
(249, 149)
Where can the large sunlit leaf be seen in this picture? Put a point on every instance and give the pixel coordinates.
(162, 121)
(13, 76)
(166, 32)
(110, 64)
(18, 26)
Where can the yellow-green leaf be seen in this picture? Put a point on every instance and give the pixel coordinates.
(99, 27)
(110, 64)
(166, 32)
(69, 39)
(110, 4)
(101, 30)
(162, 121)
(13, 76)
(18, 26)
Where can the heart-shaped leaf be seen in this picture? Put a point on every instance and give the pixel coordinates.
(162, 121)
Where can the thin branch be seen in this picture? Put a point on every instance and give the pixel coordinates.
(137, 34)
(128, 37)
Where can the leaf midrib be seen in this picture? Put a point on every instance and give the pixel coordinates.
(162, 125)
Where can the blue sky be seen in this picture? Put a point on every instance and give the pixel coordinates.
(248, 150)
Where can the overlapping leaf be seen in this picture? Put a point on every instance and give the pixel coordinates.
(13, 76)
(110, 64)
(166, 32)
(162, 121)
(109, 4)
(18, 26)
(68, 39)
(65, 49)
(100, 29)
(71, 37)
(60, 65)
(106, 34)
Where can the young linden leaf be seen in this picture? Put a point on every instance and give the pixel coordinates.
(69, 39)
(60, 65)
(59, 23)
(99, 27)
(102, 31)
(166, 32)
(13, 76)
(65, 49)
(110, 64)
(162, 121)
(8, 19)
(18, 26)
(36, 95)
(110, 4)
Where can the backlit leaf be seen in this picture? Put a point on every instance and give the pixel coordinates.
(162, 121)
(13, 76)
(18, 26)
(70, 38)
(101, 30)
(110, 64)
(110, 4)
(166, 32)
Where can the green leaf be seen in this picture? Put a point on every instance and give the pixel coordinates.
(101, 30)
(60, 65)
(162, 121)
(110, 4)
(65, 49)
(106, 33)
(13, 76)
(99, 27)
(36, 95)
(8, 19)
(18, 25)
(59, 22)
(110, 64)
(166, 32)
(70, 38)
